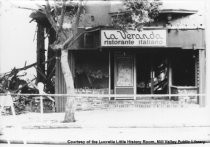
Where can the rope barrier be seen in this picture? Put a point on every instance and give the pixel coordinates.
(104, 95)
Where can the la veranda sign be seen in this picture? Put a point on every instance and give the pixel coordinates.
(132, 38)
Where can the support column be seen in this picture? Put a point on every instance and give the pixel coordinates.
(135, 77)
(40, 54)
(109, 74)
(51, 64)
(202, 77)
(169, 77)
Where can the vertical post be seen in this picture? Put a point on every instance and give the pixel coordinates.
(41, 105)
(40, 53)
(152, 73)
(197, 73)
(169, 78)
(9, 98)
(41, 91)
(13, 109)
(109, 74)
(115, 72)
(202, 77)
(134, 70)
(50, 65)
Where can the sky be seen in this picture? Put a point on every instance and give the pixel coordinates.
(17, 42)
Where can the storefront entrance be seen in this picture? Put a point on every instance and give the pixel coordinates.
(140, 73)
(124, 73)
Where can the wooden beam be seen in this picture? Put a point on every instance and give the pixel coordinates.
(135, 75)
(40, 52)
(109, 73)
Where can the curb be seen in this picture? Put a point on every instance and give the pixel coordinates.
(73, 126)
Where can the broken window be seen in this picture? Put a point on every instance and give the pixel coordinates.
(160, 75)
(152, 73)
(183, 68)
(91, 70)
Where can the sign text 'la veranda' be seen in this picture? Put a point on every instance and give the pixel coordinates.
(131, 38)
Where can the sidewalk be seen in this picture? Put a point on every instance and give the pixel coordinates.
(115, 118)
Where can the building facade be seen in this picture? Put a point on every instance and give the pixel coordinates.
(166, 57)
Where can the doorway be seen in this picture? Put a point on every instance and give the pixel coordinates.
(124, 73)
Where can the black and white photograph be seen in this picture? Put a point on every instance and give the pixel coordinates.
(104, 73)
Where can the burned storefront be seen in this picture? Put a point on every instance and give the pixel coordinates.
(174, 66)
(167, 57)
(162, 61)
